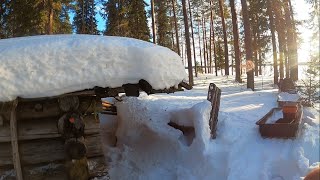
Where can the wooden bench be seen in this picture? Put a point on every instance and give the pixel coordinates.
(214, 94)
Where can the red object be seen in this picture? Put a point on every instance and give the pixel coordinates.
(290, 109)
(71, 119)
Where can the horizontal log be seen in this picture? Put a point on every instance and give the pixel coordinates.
(45, 128)
(50, 108)
(46, 150)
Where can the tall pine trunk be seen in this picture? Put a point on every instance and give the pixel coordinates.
(204, 43)
(236, 41)
(281, 36)
(226, 54)
(199, 37)
(260, 58)
(255, 51)
(187, 35)
(193, 44)
(248, 45)
(213, 39)
(294, 71)
(292, 63)
(175, 25)
(210, 48)
(274, 43)
(153, 23)
(210, 40)
(50, 17)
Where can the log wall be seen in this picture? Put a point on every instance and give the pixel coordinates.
(39, 142)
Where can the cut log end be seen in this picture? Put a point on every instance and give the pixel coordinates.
(185, 85)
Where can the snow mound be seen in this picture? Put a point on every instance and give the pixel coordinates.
(167, 137)
(41, 66)
(149, 148)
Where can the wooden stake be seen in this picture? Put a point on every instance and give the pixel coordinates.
(14, 141)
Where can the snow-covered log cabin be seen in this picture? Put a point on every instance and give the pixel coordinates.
(50, 98)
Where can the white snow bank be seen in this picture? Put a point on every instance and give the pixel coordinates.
(148, 148)
(42, 66)
(284, 96)
(275, 116)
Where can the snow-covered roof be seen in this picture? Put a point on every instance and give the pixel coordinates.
(41, 66)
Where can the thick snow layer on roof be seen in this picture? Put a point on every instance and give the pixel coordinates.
(284, 96)
(41, 66)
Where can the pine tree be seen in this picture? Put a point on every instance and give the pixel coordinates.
(126, 18)
(280, 28)
(24, 18)
(58, 19)
(311, 83)
(236, 41)
(192, 37)
(84, 20)
(248, 45)
(112, 17)
(63, 24)
(274, 43)
(3, 19)
(173, 4)
(163, 23)
(259, 25)
(225, 40)
(137, 20)
(187, 35)
(154, 23)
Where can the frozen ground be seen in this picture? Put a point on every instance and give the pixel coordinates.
(148, 148)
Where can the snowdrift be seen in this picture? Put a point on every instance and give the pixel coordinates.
(149, 148)
(41, 66)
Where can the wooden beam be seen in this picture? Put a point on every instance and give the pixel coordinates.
(14, 141)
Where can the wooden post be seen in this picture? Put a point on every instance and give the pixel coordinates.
(71, 127)
(14, 141)
(214, 94)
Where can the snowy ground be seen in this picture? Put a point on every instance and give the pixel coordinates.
(148, 148)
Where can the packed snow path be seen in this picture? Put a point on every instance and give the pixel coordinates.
(148, 148)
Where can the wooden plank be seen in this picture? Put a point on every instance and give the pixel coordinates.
(46, 150)
(45, 128)
(14, 141)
